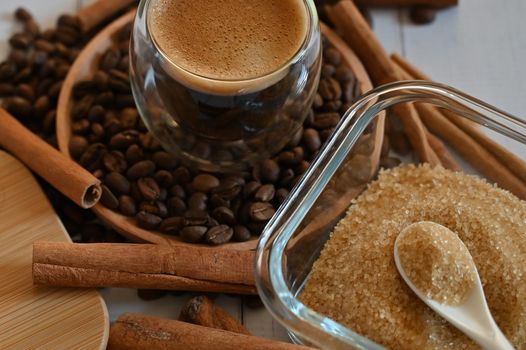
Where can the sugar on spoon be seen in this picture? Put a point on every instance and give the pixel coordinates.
(439, 269)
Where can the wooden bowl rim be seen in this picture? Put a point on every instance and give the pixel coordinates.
(83, 64)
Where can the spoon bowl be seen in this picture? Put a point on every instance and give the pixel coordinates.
(472, 316)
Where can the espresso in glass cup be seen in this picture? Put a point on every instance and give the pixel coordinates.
(225, 83)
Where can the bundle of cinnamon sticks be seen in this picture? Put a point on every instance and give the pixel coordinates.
(426, 126)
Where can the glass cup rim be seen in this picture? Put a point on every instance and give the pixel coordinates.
(313, 24)
(272, 286)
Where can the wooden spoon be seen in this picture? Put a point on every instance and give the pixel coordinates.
(37, 317)
(85, 66)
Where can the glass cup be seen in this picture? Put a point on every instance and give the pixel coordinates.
(222, 125)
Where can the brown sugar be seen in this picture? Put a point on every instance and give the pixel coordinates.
(355, 280)
(437, 262)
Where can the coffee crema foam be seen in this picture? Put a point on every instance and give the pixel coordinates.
(232, 41)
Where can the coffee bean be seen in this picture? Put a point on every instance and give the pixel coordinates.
(164, 160)
(229, 188)
(117, 183)
(115, 161)
(110, 59)
(241, 234)
(318, 101)
(176, 206)
(265, 193)
(6, 89)
(140, 169)
(178, 191)
(148, 188)
(205, 183)
(343, 74)
(147, 220)
(332, 56)
(311, 138)
(172, 225)
(26, 91)
(100, 79)
(20, 41)
(91, 159)
(250, 188)
(194, 217)
(134, 154)
(128, 118)
(164, 178)
(218, 235)
(224, 215)
(81, 108)
(256, 228)
(198, 201)
(281, 195)
(261, 211)
(286, 177)
(193, 234)
(42, 106)
(182, 175)
(270, 170)
(18, 106)
(7, 70)
(23, 15)
(156, 208)
(326, 120)
(105, 99)
(70, 21)
(422, 14)
(302, 167)
(327, 71)
(149, 142)
(127, 205)
(77, 146)
(217, 201)
(108, 198)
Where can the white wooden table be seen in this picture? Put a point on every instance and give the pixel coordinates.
(478, 47)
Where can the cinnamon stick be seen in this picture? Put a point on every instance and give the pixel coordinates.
(514, 163)
(477, 155)
(64, 174)
(357, 33)
(406, 3)
(204, 312)
(100, 11)
(136, 331)
(143, 266)
(446, 158)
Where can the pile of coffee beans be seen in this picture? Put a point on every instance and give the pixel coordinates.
(30, 80)
(140, 179)
(143, 181)
(32, 75)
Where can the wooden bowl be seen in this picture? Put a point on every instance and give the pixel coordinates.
(84, 67)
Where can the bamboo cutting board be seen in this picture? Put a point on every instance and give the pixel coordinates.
(37, 317)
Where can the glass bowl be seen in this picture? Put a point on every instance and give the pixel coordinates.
(293, 239)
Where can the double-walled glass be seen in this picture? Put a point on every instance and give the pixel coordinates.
(295, 236)
(222, 125)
